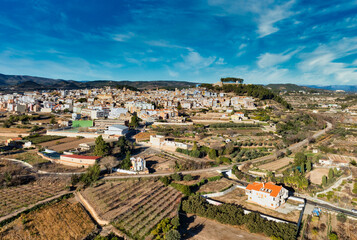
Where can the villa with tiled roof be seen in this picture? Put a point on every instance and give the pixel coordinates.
(266, 194)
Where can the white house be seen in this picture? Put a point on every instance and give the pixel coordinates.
(266, 194)
(238, 116)
(138, 164)
(117, 130)
(159, 141)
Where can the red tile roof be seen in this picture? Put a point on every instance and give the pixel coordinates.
(271, 187)
(81, 157)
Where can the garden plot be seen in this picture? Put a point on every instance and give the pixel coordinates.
(13, 198)
(216, 186)
(320, 228)
(135, 206)
(61, 220)
(276, 165)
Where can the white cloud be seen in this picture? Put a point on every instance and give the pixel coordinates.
(123, 37)
(195, 61)
(325, 62)
(220, 61)
(268, 18)
(165, 44)
(172, 73)
(270, 59)
(266, 13)
(243, 45)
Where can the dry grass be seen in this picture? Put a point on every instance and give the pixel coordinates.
(62, 220)
(13, 198)
(273, 166)
(216, 186)
(136, 206)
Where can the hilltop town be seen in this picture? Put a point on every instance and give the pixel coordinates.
(197, 162)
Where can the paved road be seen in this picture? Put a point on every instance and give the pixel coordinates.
(335, 185)
(332, 208)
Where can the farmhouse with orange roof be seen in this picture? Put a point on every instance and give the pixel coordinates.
(266, 194)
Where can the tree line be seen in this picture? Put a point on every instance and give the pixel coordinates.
(234, 215)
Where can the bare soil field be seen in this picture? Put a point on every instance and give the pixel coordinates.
(239, 197)
(316, 228)
(66, 143)
(62, 220)
(160, 162)
(315, 176)
(13, 130)
(13, 198)
(216, 186)
(273, 166)
(135, 206)
(201, 228)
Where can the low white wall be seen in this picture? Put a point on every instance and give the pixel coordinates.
(125, 171)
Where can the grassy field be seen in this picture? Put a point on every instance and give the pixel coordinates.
(135, 206)
(29, 157)
(42, 138)
(62, 220)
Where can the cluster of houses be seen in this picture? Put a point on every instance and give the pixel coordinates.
(119, 103)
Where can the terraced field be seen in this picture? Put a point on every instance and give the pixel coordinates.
(135, 206)
(13, 198)
(62, 220)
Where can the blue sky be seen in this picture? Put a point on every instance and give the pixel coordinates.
(262, 41)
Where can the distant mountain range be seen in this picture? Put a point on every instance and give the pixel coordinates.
(311, 88)
(347, 88)
(22, 83)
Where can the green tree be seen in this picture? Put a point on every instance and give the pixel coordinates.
(188, 177)
(179, 107)
(302, 167)
(134, 121)
(288, 152)
(101, 147)
(333, 236)
(324, 180)
(308, 166)
(299, 158)
(212, 154)
(165, 180)
(91, 175)
(173, 235)
(7, 124)
(126, 163)
(330, 174)
(194, 147)
(53, 120)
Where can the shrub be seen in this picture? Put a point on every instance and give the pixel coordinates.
(188, 177)
(341, 217)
